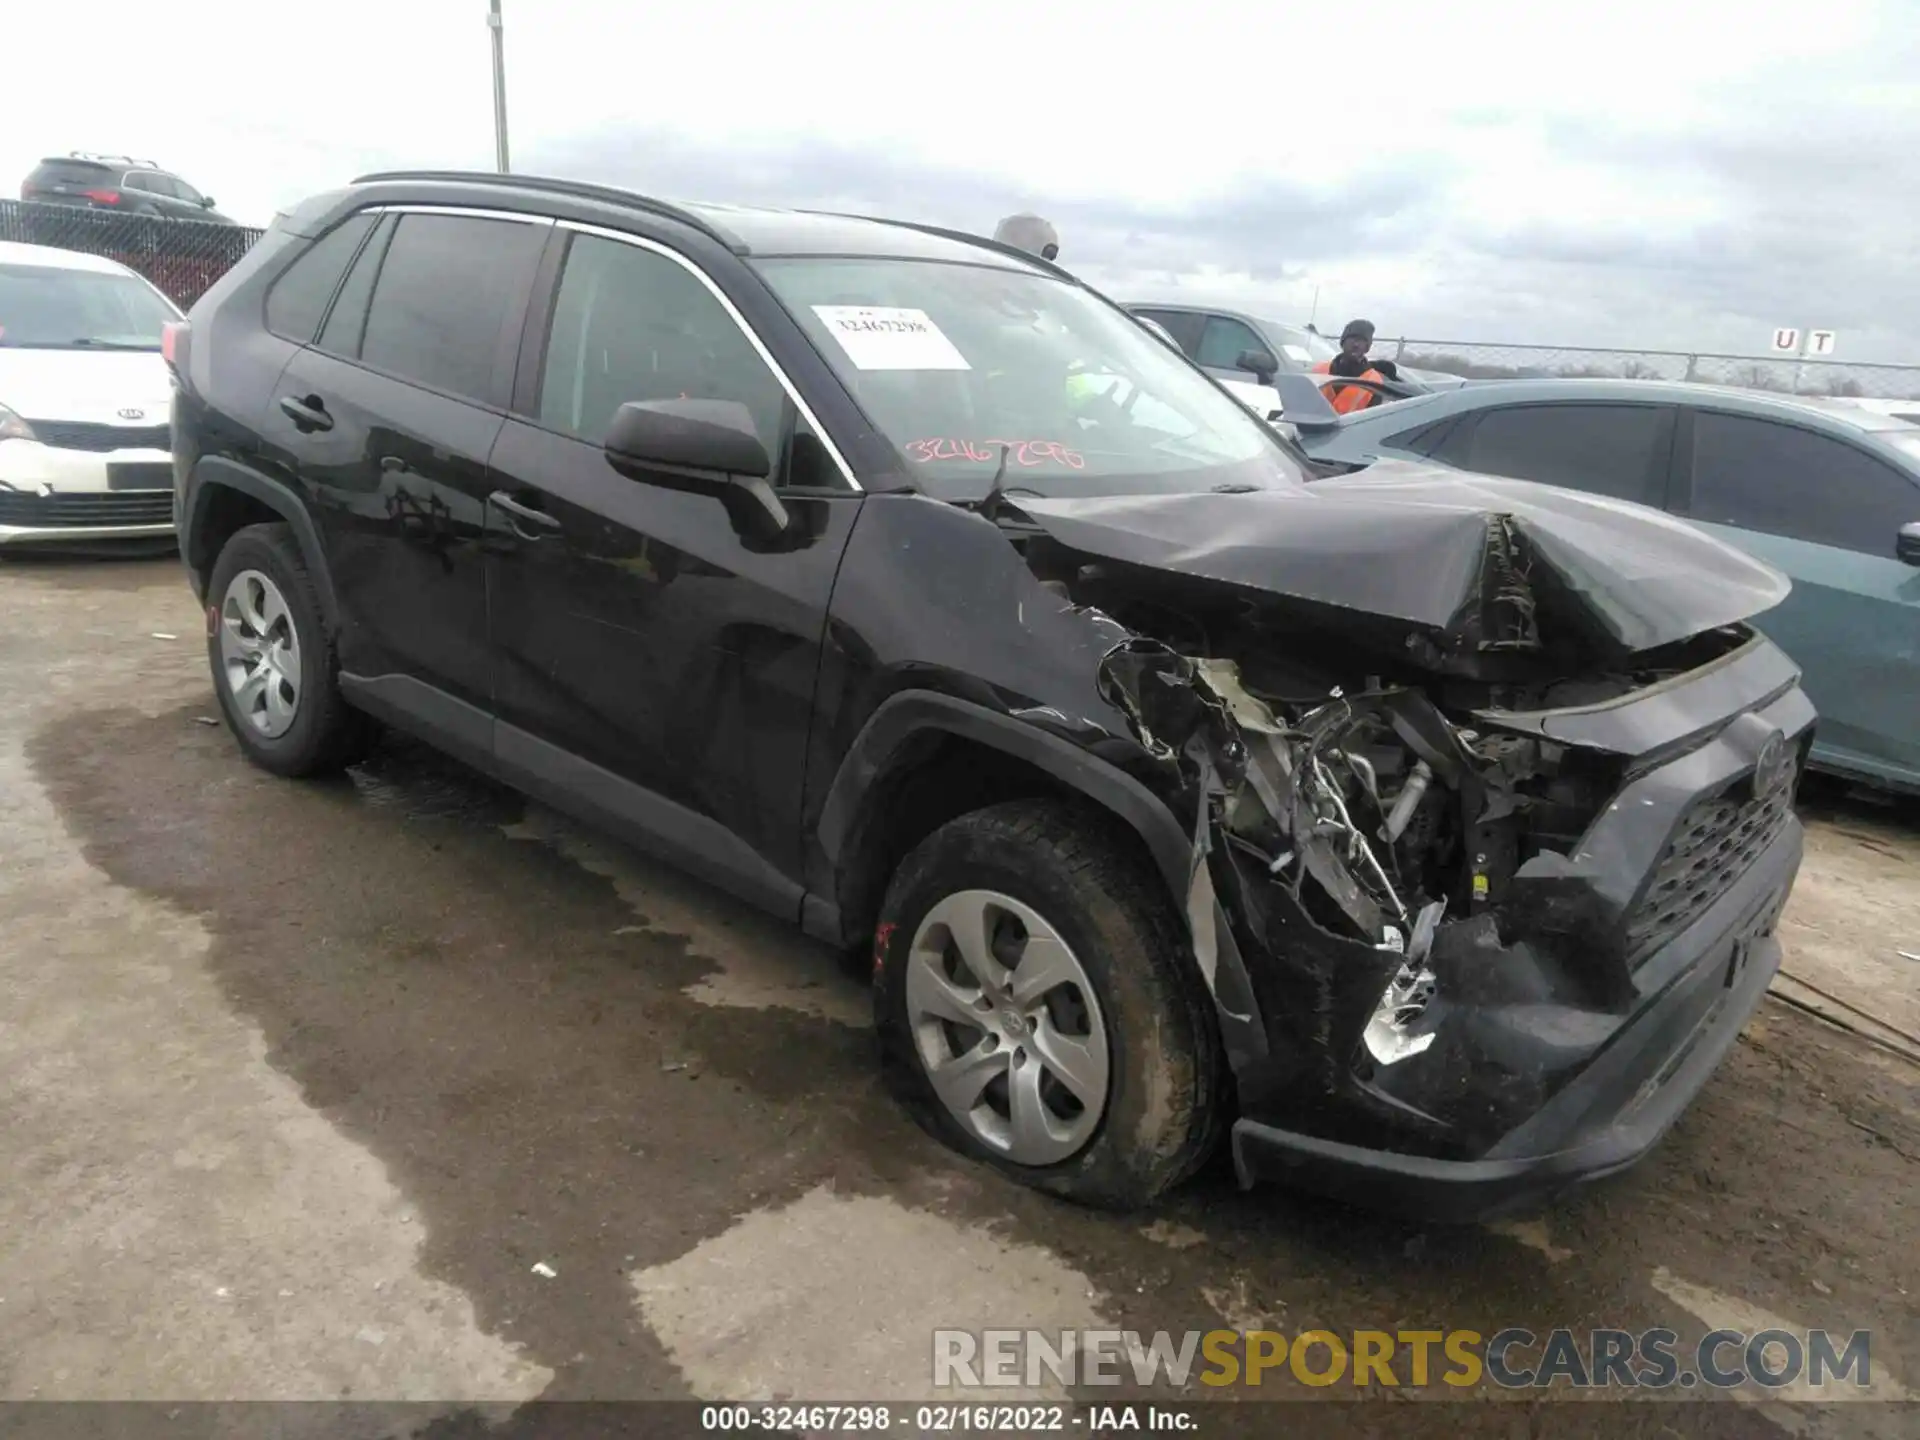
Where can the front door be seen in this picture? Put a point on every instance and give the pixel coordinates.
(1224, 341)
(1826, 512)
(655, 668)
(391, 415)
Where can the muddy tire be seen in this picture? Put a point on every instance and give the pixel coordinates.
(1037, 1011)
(273, 662)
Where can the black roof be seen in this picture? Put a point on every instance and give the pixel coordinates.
(763, 230)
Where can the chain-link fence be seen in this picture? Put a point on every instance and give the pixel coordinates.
(181, 257)
(1800, 377)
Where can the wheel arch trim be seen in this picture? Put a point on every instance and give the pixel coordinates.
(905, 716)
(213, 472)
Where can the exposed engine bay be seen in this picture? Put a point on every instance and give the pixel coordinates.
(1356, 802)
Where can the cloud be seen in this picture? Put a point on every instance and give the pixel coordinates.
(1647, 173)
(1267, 228)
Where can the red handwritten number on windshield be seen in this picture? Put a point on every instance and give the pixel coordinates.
(1028, 453)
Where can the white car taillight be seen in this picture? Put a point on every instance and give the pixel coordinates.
(173, 344)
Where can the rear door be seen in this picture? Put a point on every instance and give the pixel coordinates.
(156, 191)
(390, 415)
(1826, 512)
(656, 667)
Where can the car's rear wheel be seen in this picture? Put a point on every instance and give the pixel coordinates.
(1036, 1009)
(273, 659)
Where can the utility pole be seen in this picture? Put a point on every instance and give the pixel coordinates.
(499, 89)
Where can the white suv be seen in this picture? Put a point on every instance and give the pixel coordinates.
(85, 400)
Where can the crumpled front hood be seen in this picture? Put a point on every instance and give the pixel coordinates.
(1426, 544)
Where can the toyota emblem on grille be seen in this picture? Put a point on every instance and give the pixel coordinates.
(131, 414)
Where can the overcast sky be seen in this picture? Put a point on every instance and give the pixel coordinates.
(1684, 174)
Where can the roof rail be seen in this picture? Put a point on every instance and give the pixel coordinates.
(548, 185)
(127, 160)
(969, 238)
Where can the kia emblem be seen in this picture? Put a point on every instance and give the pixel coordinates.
(131, 414)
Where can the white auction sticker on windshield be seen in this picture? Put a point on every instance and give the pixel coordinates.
(888, 337)
(1298, 352)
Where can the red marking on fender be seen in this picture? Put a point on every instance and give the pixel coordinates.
(1026, 453)
(881, 939)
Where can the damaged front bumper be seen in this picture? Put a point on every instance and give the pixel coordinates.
(1439, 995)
(1627, 1079)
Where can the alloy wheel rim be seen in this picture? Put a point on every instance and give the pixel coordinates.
(260, 654)
(1007, 1027)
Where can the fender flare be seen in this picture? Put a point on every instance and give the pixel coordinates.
(910, 714)
(212, 472)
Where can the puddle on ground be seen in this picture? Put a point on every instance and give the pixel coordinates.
(421, 783)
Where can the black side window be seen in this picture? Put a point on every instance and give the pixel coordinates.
(1424, 439)
(1183, 325)
(1223, 341)
(1781, 480)
(1615, 450)
(299, 297)
(443, 292)
(347, 321)
(631, 324)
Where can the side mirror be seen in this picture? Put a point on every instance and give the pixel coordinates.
(1907, 545)
(206, 202)
(703, 447)
(1260, 364)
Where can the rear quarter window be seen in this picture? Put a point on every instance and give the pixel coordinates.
(1423, 439)
(299, 297)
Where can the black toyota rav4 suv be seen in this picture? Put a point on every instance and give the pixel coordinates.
(1424, 833)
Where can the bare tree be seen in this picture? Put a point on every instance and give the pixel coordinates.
(1756, 377)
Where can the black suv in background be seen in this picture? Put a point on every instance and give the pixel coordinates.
(118, 183)
(1425, 831)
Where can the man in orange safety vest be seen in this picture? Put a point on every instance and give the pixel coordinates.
(1352, 363)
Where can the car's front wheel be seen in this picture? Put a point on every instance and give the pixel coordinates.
(1036, 1009)
(273, 661)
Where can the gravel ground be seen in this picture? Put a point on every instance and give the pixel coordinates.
(299, 1082)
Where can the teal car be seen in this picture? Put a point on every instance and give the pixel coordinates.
(1826, 491)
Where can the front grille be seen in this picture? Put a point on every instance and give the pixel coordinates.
(87, 510)
(77, 435)
(1717, 838)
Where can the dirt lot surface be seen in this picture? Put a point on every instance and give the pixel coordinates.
(300, 1082)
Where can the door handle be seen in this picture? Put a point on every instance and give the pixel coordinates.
(539, 519)
(307, 414)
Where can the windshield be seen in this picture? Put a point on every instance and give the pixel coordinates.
(967, 369)
(1302, 346)
(44, 307)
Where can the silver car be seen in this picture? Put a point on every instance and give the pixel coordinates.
(1223, 342)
